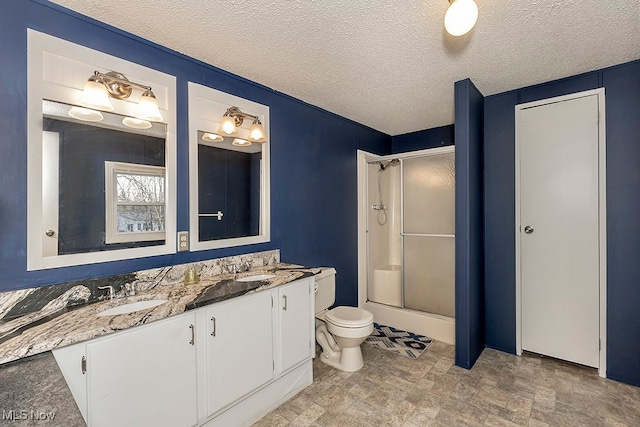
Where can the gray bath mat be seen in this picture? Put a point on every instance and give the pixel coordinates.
(398, 341)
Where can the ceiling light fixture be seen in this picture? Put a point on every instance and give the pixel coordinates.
(233, 118)
(460, 17)
(101, 86)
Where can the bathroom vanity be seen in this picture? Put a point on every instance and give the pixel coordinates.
(224, 351)
(198, 367)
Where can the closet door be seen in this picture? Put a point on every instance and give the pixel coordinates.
(559, 229)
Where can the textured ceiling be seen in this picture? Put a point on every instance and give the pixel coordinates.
(386, 64)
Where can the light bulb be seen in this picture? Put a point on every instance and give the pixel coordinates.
(228, 125)
(256, 132)
(95, 95)
(461, 17)
(147, 108)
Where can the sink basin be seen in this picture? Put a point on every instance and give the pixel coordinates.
(131, 307)
(255, 278)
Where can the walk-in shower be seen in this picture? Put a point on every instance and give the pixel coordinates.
(407, 240)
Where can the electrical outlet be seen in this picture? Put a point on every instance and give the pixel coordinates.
(183, 241)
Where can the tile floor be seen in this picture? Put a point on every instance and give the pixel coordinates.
(500, 390)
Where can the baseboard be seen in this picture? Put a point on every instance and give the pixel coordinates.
(260, 403)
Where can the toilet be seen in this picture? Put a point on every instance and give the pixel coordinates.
(341, 330)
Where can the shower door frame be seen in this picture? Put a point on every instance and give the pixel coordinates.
(433, 325)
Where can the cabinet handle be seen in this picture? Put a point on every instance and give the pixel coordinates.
(213, 332)
(284, 307)
(193, 335)
(83, 365)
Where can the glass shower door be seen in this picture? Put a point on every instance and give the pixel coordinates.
(428, 233)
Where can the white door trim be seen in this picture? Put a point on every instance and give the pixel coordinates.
(602, 206)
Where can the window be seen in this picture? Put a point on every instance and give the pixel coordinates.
(135, 202)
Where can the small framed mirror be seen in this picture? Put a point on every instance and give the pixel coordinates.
(228, 170)
(101, 181)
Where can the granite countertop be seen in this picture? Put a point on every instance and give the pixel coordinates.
(46, 330)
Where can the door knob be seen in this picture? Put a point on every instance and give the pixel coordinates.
(528, 229)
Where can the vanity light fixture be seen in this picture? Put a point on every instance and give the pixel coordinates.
(101, 86)
(241, 142)
(233, 118)
(95, 95)
(212, 137)
(147, 108)
(132, 122)
(85, 114)
(460, 17)
(228, 126)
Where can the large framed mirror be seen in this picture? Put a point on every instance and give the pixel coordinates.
(101, 181)
(228, 170)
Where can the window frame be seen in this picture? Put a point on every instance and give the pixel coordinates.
(111, 171)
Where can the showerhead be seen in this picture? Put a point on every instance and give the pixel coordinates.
(391, 162)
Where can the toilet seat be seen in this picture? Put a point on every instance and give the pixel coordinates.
(349, 317)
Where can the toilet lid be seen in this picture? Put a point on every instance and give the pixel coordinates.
(349, 317)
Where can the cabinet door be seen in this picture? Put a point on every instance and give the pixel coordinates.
(145, 376)
(239, 348)
(70, 361)
(296, 317)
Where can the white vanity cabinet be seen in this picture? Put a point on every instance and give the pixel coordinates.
(296, 334)
(228, 363)
(145, 376)
(239, 346)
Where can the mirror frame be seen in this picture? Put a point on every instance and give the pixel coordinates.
(206, 107)
(58, 70)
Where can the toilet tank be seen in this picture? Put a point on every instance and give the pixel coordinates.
(325, 288)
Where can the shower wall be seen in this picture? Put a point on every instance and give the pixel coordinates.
(384, 241)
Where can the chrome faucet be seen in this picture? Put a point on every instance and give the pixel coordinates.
(111, 291)
(130, 289)
(235, 272)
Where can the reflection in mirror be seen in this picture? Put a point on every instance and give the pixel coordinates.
(228, 175)
(110, 182)
(101, 177)
(228, 189)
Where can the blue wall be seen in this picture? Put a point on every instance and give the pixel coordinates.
(313, 156)
(423, 139)
(622, 97)
(470, 340)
